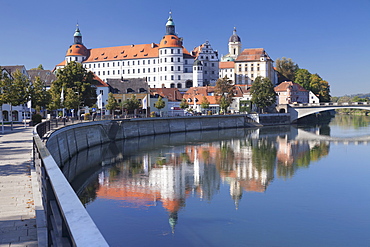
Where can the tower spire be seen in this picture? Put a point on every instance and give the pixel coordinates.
(77, 36)
(170, 26)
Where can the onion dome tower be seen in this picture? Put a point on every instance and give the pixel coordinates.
(77, 52)
(171, 57)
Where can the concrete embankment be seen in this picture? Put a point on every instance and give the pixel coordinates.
(66, 142)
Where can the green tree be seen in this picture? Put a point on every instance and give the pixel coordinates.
(303, 78)
(263, 93)
(160, 104)
(184, 104)
(205, 103)
(40, 67)
(70, 100)
(16, 90)
(225, 87)
(131, 104)
(224, 104)
(320, 88)
(40, 97)
(286, 68)
(76, 77)
(112, 103)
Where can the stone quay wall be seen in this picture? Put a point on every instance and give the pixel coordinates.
(64, 143)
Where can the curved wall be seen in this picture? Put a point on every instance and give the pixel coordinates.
(64, 143)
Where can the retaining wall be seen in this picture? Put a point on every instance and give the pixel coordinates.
(64, 143)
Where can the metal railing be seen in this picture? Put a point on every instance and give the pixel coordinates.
(67, 221)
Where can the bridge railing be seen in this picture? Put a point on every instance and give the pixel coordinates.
(328, 104)
(67, 221)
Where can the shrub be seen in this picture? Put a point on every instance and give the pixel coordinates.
(87, 116)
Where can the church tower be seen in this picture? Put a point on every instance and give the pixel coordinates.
(235, 45)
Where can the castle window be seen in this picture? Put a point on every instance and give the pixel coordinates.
(144, 71)
(103, 72)
(76, 58)
(179, 85)
(133, 62)
(107, 64)
(113, 64)
(123, 71)
(113, 71)
(171, 51)
(148, 70)
(178, 59)
(178, 51)
(201, 57)
(143, 62)
(165, 78)
(138, 71)
(123, 63)
(213, 64)
(172, 77)
(186, 61)
(165, 51)
(148, 61)
(153, 78)
(179, 77)
(98, 72)
(178, 68)
(186, 70)
(128, 63)
(165, 68)
(171, 59)
(153, 69)
(165, 60)
(103, 65)
(128, 71)
(108, 72)
(133, 71)
(94, 65)
(172, 85)
(171, 68)
(138, 62)
(117, 72)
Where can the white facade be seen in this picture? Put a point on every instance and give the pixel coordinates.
(164, 65)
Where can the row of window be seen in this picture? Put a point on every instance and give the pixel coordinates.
(171, 51)
(127, 63)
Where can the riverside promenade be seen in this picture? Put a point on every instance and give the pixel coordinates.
(17, 210)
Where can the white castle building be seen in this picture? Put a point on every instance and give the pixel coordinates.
(243, 67)
(164, 65)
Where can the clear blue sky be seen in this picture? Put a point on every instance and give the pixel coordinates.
(328, 37)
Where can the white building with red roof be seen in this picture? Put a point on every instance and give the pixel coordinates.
(164, 65)
(289, 92)
(244, 66)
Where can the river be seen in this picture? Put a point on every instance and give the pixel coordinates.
(276, 186)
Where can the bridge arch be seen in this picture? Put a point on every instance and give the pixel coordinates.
(301, 110)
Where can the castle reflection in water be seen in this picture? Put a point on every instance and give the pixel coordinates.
(168, 175)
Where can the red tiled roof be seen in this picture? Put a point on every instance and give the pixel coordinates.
(170, 41)
(252, 55)
(100, 82)
(77, 50)
(226, 65)
(172, 94)
(282, 87)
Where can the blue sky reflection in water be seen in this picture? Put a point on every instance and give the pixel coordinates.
(290, 192)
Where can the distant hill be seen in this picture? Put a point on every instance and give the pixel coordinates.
(361, 95)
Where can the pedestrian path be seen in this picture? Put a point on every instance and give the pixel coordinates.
(17, 211)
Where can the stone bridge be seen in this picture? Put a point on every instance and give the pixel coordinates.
(301, 110)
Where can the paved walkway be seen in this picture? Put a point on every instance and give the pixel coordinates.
(17, 212)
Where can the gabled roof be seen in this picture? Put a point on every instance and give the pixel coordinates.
(252, 55)
(240, 90)
(45, 75)
(227, 65)
(204, 91)
(99, 82)
(284, 86)
(133, 85)
(172, 94)
(11, 69)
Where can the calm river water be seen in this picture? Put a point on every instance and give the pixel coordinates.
(281, 186)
